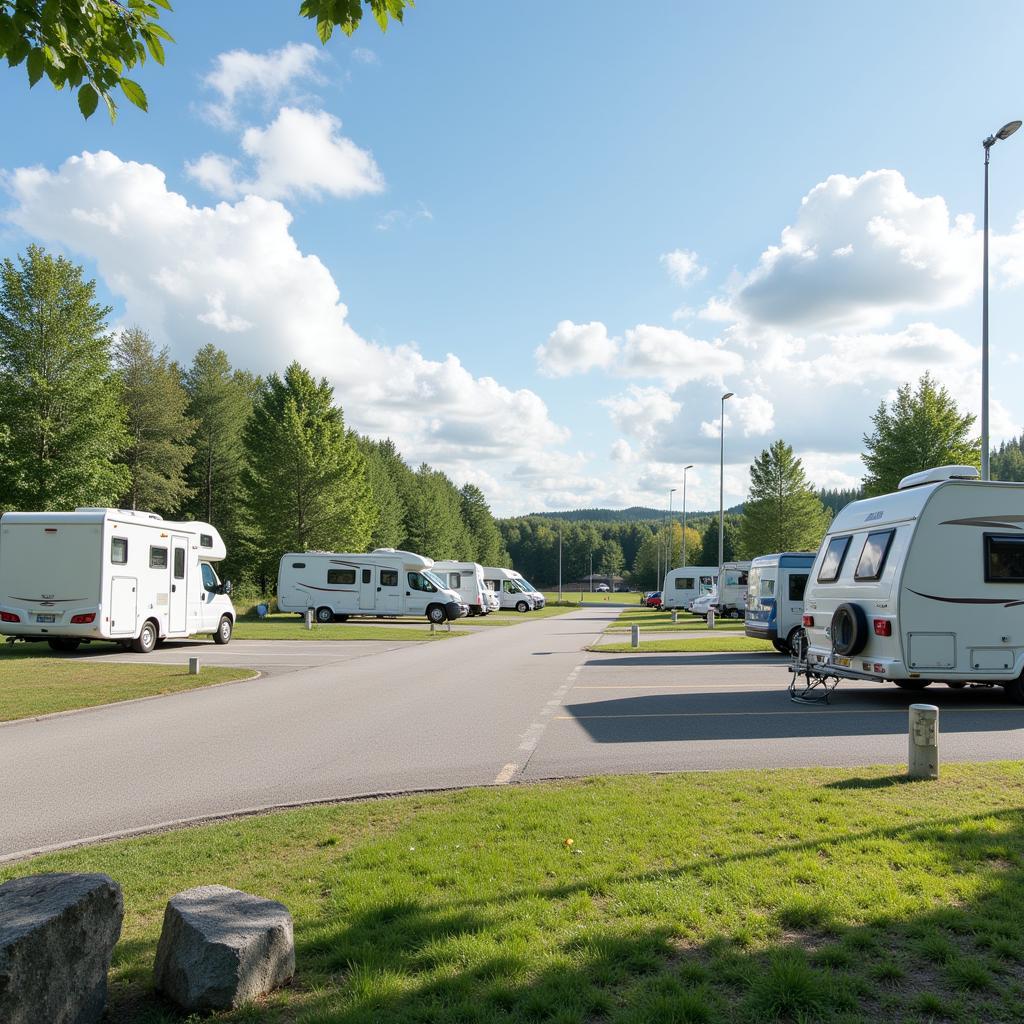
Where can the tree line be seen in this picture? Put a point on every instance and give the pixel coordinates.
(88, 418)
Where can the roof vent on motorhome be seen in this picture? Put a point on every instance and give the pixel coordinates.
(939, 473)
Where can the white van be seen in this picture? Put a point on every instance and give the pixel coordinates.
(380, 584)
(775, 598)
(110, 574)
(467, 579)
(924, 584)
(683, 586)
(513, 591)
(731, 600)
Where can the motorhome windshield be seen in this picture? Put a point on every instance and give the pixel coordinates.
(435, 580)
(529, 586)
(522, 586)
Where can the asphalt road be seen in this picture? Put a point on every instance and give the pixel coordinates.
(330, 721)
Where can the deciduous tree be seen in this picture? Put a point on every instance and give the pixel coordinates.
(488, 547)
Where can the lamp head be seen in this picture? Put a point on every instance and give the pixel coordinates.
(1007, 130)
(728, 394)
(685, 468)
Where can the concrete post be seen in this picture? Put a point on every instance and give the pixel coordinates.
(711, 618)
(675, 614)
(309, 618)
(634, 638)
(923, 759)
(193, 666)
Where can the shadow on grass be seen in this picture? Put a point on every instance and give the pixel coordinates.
(885, 782)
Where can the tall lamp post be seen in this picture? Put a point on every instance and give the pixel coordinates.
(668, 552)
(721, 491)
(685, 471)
(1004, 133)
(559, 561)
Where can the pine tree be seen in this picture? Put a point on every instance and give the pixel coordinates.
(918, 431)
(434, 525)
(1007, 461)
(782, 512)
(488, 547)
(60, 404)
(388, 529)
(158, 428)
(709, 542)
(613, 562)
(305, 478)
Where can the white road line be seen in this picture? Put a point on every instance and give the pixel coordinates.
(531, 738)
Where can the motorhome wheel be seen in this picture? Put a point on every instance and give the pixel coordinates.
(849, 629)
(522, 606)
(956, 684)
(324, 615)
(146, 640)
(796, 642)
(1015, 690)
(780, 646)
(64, 644)
(224, 629)
(436, 613)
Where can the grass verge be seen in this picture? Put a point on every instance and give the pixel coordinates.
(572, 597)
(291, 627)
(648, 618)
(722, 644)
(32, 683)
(804, 895)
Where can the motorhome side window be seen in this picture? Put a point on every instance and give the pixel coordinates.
(205, 540)
(209, 578)
(797, 585)
(157, 558)
(367, 575)
(1004, 559)
(417, 581)
(119, 550)
(767, 588)
(832, 564)
(508, 586)
(873, 555)
(388, 578)
(298, 565)
(341, 576)
(684, 583)
(179, 563)
(454, 580)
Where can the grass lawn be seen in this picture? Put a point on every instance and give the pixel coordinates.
(33, 683)
(573, 597)
(290, 627)
(649, 618)
(832, 895)
(723, 644)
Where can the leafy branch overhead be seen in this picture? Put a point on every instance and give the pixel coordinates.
(89, 46)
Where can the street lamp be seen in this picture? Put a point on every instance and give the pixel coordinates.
(1004, 133)
(685, 471)
(668, 555)
(721, 492)
(559, 561)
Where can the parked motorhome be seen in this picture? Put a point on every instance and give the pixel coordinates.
(110, 574)
(922, 585)
(512, 590)
(467, 580)
(731, 600)
(775, 598)
(379, 584)
(683, 586)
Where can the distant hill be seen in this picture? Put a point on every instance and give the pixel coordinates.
(635, 514)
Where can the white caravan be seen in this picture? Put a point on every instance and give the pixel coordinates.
(775, 598)
(731, 600)
(381, 584)
(467, 579)
(512, 590)
(110, 574)
(924, 584)
(683, 586)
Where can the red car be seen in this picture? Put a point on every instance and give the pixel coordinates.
(653, 600)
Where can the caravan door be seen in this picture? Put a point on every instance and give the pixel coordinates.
(367, 591)
(177, 613)
(123, 605)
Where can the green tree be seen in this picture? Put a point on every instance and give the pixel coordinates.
(434, 525)
(918, 431)
(305, 477)
(60, 403)
(388, 530)
(488, 547)
(709, 542)
(1007, 461)
(613, 562)
(158, 426)
(782, 512)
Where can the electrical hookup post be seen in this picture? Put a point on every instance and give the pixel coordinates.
(923, 757)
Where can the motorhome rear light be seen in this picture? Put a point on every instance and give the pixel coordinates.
(883, 627)
(81, 620)
(9, 617)
(808, 620)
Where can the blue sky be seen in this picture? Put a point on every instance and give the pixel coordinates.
(535, 243)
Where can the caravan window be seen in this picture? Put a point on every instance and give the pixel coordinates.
(832, 564)
(205, 540)
(341, 576)
(388, 578)
(797, 586)
(767, 588)
(1004, 559)
(684, 583)
(454, 580)
(119, 550)
(873, 555)
(179, 563)
(367, 575)
(158, 558)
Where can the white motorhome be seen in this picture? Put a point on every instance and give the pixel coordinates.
(731, 600)
(922, 585)
(382, 583)
(683, 586)
(513, 591)
(110, 574)
(775, 598)
(467, 579)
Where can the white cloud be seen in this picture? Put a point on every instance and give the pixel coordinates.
(640, 412)
(575, 348)
(683, 266)
(622, 451)
(675, 357)
(240, 74)
(406, 218)
(755, 415)
(365, 56)
(233, 274)
(299, 153)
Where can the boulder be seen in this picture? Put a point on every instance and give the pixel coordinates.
(220, 948)
(57, 934)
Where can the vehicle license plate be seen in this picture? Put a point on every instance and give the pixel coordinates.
(46, 618)
(845, 662)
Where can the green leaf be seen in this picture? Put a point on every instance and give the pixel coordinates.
(87, 100)
(111, 106)
(18, 52)
(324, 29)
(36, 65)
(134, 93)
(156, 48)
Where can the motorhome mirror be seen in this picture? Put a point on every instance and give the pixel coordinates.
(227, 587)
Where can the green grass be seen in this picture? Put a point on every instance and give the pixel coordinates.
(281, 626)
(573, 597)
(734, 644)
(650, 618)
(740, 897)
(36, 683)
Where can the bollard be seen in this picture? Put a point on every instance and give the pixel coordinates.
(634, 637)
(193, 666)
(711, 618)
(923, 759)
(675, 614)
(309, 618)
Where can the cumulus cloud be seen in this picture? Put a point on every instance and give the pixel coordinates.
(575, 348)
(754, 413)
(683, 266)
(234, 274)
(675, 357)
(639, 412)
(299, 153)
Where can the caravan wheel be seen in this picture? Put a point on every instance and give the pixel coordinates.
(147, 638)
(324, 615)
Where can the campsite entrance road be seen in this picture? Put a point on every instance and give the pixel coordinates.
(331, 721)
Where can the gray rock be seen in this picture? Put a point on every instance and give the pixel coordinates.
(220, 948)
(57, 934)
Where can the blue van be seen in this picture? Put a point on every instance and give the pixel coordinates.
(775, 598)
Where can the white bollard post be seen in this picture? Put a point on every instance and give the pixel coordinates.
(634, 637)
(309, 618)
(675, 614)
(923, 759)
(711, 618)
(193, 666)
